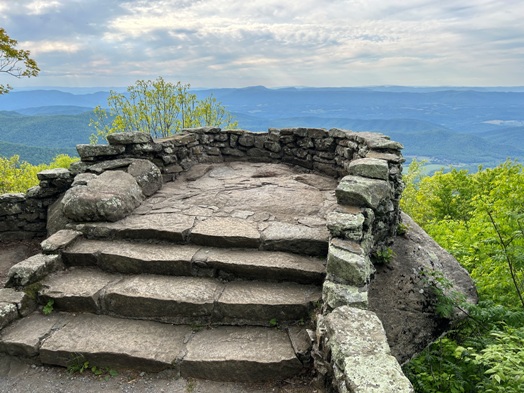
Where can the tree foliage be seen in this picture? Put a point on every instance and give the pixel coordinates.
(479, 218)
(13, 61)
(19, 176)
(159, 108)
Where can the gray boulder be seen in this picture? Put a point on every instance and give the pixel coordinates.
(360, 358)
(401, 297)
(147, 175)
(108, 197)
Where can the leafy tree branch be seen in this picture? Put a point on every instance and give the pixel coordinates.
(13, 61)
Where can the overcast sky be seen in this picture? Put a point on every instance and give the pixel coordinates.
(237, 43)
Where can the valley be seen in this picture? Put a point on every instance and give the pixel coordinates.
(446, 126)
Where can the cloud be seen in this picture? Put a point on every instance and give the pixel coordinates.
(234, 43)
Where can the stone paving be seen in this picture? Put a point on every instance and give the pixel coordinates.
(268, 206)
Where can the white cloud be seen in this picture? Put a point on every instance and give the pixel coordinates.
(42, 47)
(233, 42)
(38, 7)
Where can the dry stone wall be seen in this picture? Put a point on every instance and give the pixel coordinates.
(24, 216)
(368, 166)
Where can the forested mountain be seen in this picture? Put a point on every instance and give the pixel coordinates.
(444, 125)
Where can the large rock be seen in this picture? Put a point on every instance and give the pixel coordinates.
(56, 219)
(372, 168)
(348, 267)
(90, 152)
(362, 192)
(108, 197)
(129, 138)
(33, 269)
(147, 175)
(360, 357)
(400, 295)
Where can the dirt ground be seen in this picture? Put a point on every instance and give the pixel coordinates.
(21, 376)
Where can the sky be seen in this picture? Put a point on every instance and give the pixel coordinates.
(239, 43)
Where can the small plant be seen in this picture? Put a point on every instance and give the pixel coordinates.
(273, 322)
(79, 364)
(447, 300)
(383, 255)
(32, 290)
(402, 229)
(48, 308)
(191, 385)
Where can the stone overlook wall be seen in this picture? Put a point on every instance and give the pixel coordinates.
(24, 216)
(350, 340)
(369, 163)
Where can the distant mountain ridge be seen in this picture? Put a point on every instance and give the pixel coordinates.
(447, 125)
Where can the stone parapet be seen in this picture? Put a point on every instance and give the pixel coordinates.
(24, 216)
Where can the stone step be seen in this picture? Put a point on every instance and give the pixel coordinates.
(191, 260)
(214, 232)
(230, 353)
(180, 300)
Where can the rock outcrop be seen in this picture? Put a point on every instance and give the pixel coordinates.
(402, 297)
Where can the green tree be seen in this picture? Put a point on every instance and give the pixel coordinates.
(479, 218)
(159, 108)
(19, 176)
(13, 61)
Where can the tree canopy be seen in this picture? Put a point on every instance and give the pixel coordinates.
(19, 176)
(479, 218)
(159, 108)
(13, 61)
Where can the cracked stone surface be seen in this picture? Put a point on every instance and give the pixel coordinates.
(176, 299)
(246, 191)
(251, 205)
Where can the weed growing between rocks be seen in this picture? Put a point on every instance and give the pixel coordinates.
(79, 364)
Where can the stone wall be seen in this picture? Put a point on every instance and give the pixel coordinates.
(24, 216)
(368, 163)
(368, 166)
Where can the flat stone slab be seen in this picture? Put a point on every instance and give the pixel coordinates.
(59, 240)
(33, 269)
(253, 302)
(224, 353)
(113, 342)
(255, 353)
(77, 290)
(22, 302)
(23, 337)
(132, 258)
(225, 232)
(191, 260)
(181, 300)
(262, 265)
(169, 227)
(300, 239)
(163, 298)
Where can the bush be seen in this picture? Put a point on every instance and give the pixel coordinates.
(19, 176)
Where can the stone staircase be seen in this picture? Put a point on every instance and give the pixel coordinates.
(209, 254)
(220, 313)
